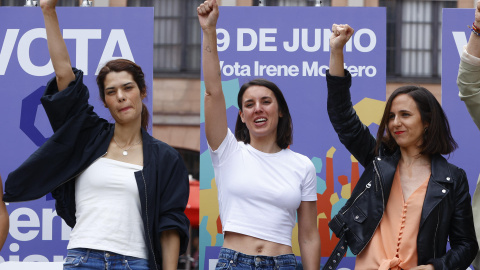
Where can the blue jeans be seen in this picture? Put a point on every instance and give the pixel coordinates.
(233, 260)
(83, 259)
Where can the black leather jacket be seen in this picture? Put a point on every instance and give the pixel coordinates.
(446, 214)
(80, 138)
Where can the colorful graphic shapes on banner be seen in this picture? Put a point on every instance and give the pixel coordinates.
(206, 173)
(210, 211)
(318, 163)
(295, 245)
(321, 185)
(370, 110)
(230, 91)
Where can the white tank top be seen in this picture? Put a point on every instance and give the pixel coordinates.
(108, 209)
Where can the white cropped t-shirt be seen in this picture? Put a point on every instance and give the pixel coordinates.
(259, 193)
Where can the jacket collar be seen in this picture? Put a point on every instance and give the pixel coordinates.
(438, 187)
(440, 170)
(147, 141)
(387, 165)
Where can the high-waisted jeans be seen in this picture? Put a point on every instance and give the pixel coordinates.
(233, 260)
(83, 259)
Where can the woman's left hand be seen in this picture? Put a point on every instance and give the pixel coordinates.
(423, 267)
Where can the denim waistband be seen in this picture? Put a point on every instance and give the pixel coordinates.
(101, 254)
(258, 260)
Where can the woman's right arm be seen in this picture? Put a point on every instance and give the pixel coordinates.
(341, 33)
(473, 45)
(468, 79)
(215, 108)
(350, 130)
(56, 45)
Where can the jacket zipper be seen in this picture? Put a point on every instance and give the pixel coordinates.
(367, 186)
(146, 214)
(383, 200)
(379, 179)
(73, 177)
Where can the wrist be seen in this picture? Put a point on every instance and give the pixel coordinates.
(47, 10)
(336, 52)
(210, 32)
(475, 29)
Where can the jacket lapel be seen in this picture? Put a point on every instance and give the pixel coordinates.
(147, 172)
(438, 186)
(387, 165)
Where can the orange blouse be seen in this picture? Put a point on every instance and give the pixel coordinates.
(394, 243)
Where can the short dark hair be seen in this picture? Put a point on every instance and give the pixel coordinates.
(285, 125)
(119, 65)
(437, 138)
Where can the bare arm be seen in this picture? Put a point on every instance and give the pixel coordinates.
(56, 45)
(341, 33)
(473, 45)
(308, 237)
(215, 108)
(4, 219)
(170, 242)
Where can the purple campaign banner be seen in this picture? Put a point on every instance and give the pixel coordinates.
(290, 46)
(455, 35)
(93, 37)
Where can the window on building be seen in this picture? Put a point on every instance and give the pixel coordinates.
(12, 3)
(64, 3)
(292, 2)
(68, 3)
(414, 39)
(177, 41)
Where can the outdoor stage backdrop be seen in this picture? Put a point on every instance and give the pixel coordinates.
(290, 46)
(93, 36)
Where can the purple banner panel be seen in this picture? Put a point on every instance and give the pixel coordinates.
(290, 46)
(93, 37)
(455, 35)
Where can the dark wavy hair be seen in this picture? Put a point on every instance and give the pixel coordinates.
(119, 65)
(285, 125)
(437, 138)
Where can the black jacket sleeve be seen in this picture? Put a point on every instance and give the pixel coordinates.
(78, 133)
(175, 192)
(64, 105)
(350, 130)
